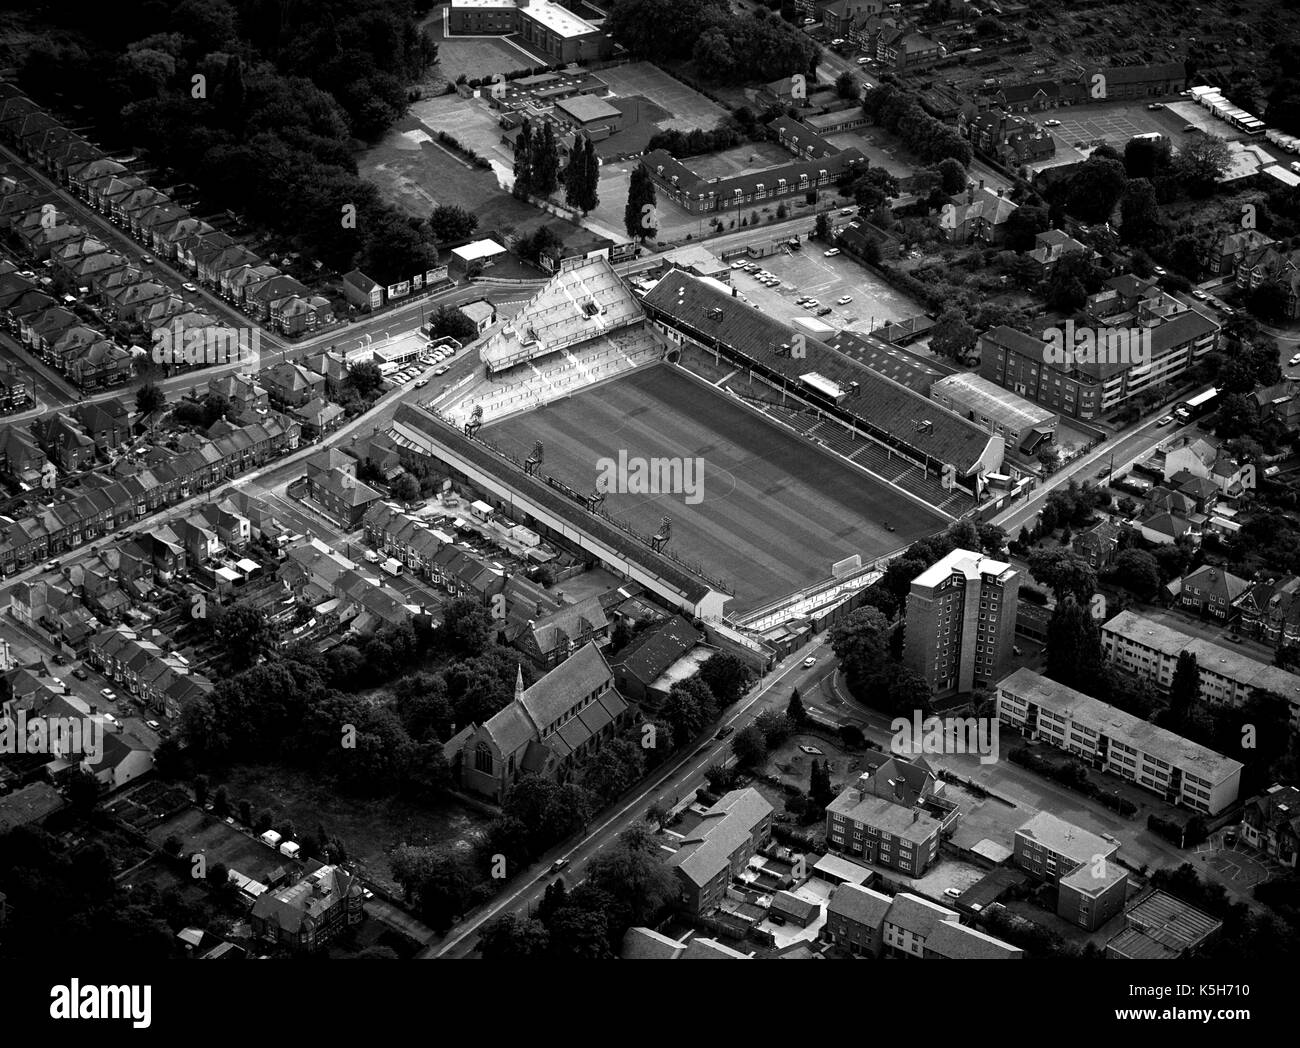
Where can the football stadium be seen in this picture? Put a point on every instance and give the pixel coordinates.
(697, 445)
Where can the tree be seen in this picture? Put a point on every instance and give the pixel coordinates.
(637, 882)
(639, 219)
(1064, 572)
(1093, 191)
(513, 937)
(221, 803)
(1139, 214)
(524, 160)
(775, 727)
(365, 378)
(847, 86)
(1184, 689)
(546, 162)
(1200, 162)
(613, 769)
(861, 643)
(582, 176)
(795, 711)
(405, 489)
(1073, 646)
(149, 398)
(1137, 570)
(820, 791)
(689, 707)
(200, 790)
(465, 629)
(245, 633)
(727, 677)
(952, 176)
(749, 747)
(448, 321)
(451, 222)
(822, 227)
(952, 336)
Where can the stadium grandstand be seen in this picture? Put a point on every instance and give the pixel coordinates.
(583, 301)
(901, 421)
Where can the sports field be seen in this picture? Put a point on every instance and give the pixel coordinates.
(772, 512)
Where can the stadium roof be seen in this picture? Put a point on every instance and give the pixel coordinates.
(881, 403)
(446, 435)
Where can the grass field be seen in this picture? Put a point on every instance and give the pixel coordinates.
(775, 512)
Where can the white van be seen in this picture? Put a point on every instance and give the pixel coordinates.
(392, 566)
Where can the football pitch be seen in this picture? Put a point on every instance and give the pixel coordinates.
(760, 508)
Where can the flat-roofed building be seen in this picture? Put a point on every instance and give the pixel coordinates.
(1176, 769)
(961, 621)
(1091, 887)
(1162, 928)
(481, 17)
(1150, 649)
(992, 407)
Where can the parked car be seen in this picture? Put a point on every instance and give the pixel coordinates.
(811, 660)
(442, 369)
(1295, 360)
(1155, 105)
(863, 60)
(1051, 123)
(832, 252)
(1190, 127)
(108, 693)
(1165, 420)
(80, 674)
(421, 383)
(844, 300)
(823, 311)
(152, 724)
(189, 287)
(724, 732)
(147, 259)
(952, 893)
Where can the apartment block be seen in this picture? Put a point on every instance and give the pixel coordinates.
(893, 816)
(731, 832)
(961, 621)
(1150, 649)
(1176, 769)
(1091, 887)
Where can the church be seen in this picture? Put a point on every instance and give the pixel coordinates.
(549, 729)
